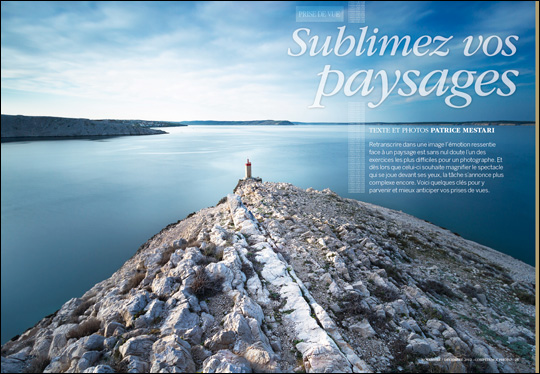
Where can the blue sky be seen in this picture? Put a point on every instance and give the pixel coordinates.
(228, 61)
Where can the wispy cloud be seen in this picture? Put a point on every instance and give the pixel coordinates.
(211, 60)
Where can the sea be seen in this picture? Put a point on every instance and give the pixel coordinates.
(73, 211)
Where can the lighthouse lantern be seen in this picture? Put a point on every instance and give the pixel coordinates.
(248, 169)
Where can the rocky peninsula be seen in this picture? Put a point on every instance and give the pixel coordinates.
(54, 127)
(275, 278)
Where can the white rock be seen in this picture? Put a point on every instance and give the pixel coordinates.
(260, 359)
(171, 355)
(457, 345)
(363, 328)
(93, 342)
(110, 342)
(335, 290)
(207, 320)
(449, 333)
(414, 326)
(57, 365)
(165, 286)
(114, 329)
(139, 346)
(419, 346)
(99, 369)
(400, 307)
(183, 323)
(219, 269)
(221, 340)
(361, 289)
(42, 345)
(249, 308)
(326, 279)
(59, 340)
(226, 362)
(13, 365)
(376, 278)
(152, 261)
(257, 291)
(87, 360)
(136, 365)
(153, 313)
(324, 359)
(237, 323)
(193, 254)
(176, 257)
(506, 328)
(434, 324)
(134, 306)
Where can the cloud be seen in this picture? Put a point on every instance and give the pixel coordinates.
(211, 60)
(504, 17)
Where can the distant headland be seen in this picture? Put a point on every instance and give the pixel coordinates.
(32, 127)
(17, 127)
(266, 122)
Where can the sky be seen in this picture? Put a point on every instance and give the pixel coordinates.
(177, 61)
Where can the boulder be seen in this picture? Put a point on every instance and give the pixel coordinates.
(42, 345)
(87, 360)
(114, 329)
(93, 342)
(135, 364)
(226, 362)
(14, 365)
(249, 308)
(260, 359)
(419, 347)
(181, 322)
(99, 369)
(139, 346)
(363, 328)
(221, 340)
(165, 286)
(237, 323)
(153, 314)
(171, 355)
(217, 270)
(207, 320)
(324, 359)
(59, 340)
(134, 307)
(457, 346)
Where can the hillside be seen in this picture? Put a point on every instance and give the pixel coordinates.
(280, 279)
(39, 127)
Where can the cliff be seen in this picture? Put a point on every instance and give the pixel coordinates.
(38, 127)
(277, 278)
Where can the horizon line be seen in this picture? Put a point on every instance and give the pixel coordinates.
(279, 120)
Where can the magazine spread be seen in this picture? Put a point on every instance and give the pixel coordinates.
(312, 186)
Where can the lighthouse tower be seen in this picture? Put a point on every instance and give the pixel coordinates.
(248, 169)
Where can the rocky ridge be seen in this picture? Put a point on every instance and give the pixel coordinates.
(280, 279)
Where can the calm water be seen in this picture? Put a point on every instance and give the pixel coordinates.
(73, 211)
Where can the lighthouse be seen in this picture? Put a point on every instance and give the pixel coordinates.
(248, 169)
